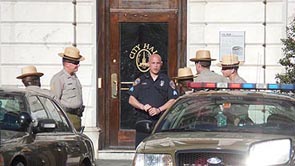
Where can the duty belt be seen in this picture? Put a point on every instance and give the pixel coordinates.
(76, 111)
(72, 110)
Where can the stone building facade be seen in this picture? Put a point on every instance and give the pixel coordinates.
(35, 31)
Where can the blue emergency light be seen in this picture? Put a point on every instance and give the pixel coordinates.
(253, 86)
(288, 86)
(248, 86)
(273, 86)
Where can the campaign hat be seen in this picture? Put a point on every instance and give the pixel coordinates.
(29, 71)
(72, 53)
(229, 60)
(184, 73)
(202, 55)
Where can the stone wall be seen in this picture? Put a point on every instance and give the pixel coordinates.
(206, 18)
(33, 32)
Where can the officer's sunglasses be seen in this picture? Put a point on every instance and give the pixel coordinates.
(72, 61)
(226, 68)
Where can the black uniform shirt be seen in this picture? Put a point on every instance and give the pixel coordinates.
(156, 93)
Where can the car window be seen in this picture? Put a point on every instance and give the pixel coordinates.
(10, 107)
(237, 114)
(56, 114)
(37, 109)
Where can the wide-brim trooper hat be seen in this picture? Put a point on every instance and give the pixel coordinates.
(184, 73)
(29, 71)
(202, 55)
(230, 60)
(72, 53)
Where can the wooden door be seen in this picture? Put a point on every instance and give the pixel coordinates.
(133, 37)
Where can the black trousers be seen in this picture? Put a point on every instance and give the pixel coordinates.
(139, 136)
(140, 115)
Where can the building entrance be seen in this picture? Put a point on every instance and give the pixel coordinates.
(133, 36)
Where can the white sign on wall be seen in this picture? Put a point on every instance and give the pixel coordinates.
(232, 42)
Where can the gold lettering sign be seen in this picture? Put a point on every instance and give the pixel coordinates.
(141, 53)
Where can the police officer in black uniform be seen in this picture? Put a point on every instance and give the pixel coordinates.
(151, 94)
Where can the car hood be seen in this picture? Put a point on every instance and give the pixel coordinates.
(174, 141)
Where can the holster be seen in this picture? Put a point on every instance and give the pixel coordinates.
(80, 111)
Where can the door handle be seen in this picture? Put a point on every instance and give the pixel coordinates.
(114, 82)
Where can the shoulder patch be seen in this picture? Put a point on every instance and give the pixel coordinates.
(175, 93)
(131, 89)
(172, 84)
(136, 82)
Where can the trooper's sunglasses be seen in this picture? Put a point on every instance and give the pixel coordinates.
(71, 61)
(226, 68)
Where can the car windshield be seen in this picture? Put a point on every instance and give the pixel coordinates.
(10, 107)
(231, 113)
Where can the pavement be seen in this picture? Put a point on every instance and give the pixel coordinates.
(103, 162)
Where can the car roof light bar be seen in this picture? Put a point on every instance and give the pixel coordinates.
(261, 86)
(235, 86)
(222, 85)
(248, 86)
(254, 86)
(210, 85)
(288, 86)
(273, 86)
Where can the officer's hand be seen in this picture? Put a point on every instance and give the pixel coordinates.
(154, 111)
(147, 107)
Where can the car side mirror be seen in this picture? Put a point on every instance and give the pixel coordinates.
(45, 125)
(24, 119)
(144, 126)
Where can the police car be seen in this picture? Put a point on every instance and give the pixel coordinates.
(224, 124)
(35, 131)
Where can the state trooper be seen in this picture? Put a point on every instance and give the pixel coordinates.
(151, 94)
(31, 80)
(203, 63)
(184, 76)
(229, 68)
(67, 87)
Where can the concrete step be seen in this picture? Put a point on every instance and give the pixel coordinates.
(111, 154)
(114, 162)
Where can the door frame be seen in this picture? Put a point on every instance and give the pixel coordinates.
(124, 137)
(105, 17)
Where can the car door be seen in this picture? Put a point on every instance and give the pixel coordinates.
(65, 136)
(50, 151)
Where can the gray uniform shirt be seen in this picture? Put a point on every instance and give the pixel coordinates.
(208, 76)
(238, 79)
(67, 89)
(41, 91)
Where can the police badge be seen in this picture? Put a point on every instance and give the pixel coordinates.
(162, 83)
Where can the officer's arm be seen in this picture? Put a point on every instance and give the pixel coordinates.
(167, 105)
(56, 88)
(136, 104)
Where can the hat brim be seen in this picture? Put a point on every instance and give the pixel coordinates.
(30, 74)
(74, 59)
(195, 59)
(185, 77)
(230, 65)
